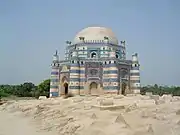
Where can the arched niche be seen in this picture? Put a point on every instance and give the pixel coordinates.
(93, 55)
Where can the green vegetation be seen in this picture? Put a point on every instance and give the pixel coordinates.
(160, 90)
(27, 89)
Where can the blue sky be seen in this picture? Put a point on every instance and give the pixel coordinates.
(31, 31)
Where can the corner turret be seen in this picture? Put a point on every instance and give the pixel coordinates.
(54, 86)
(55, 57)
(135, 74)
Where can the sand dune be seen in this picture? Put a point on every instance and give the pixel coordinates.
(86, 115)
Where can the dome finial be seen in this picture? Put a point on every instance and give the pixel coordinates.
(68, 42)
(81, 38)
(56, 53)
(123, 42)
(135, 57)
(106, 38)
(55, 56)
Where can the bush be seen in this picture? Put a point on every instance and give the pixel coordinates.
(2, 94)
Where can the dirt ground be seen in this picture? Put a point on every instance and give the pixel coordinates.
(90, 115)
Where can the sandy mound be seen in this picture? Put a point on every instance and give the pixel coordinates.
(138, 115)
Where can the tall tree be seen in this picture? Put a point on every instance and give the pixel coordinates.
(26, 89)
(43, 88)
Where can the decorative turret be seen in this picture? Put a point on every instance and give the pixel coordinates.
(106, 39)
(135, 58)
(135, 74)
(82, 39)
(55, 57)
(68, 42)
(123, 43)
(54, 86)
(123, 51)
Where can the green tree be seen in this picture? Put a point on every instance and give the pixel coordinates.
(22, 90)
(43, 88)
(26, 89)
(156, 86)
(143, 90)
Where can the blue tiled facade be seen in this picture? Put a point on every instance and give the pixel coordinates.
(94, 63)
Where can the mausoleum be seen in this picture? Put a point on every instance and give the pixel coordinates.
(95, 63)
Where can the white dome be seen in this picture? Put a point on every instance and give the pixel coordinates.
(96, 33)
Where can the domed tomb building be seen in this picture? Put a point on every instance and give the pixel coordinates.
(95, 63)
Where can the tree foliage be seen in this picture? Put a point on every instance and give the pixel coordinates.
(160, 90)
(43, 88)
(29, 89)
(26, 89)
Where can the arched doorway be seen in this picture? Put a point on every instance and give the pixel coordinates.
(93, 85)
(65, 88)
(117, 56)
(93, 55)
(123, 88)
(93, 88)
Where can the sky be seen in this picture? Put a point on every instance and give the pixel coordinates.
(31, 31)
